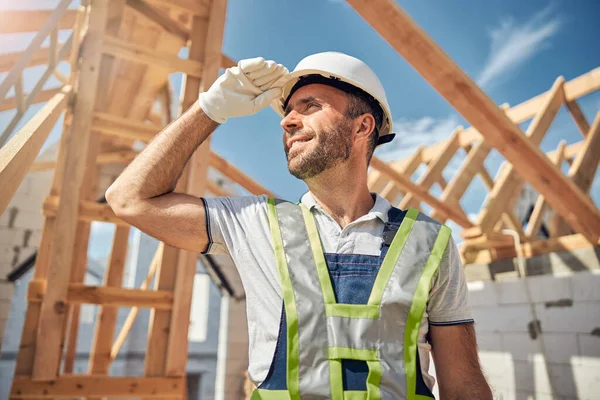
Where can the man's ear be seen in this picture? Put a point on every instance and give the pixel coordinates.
(364, 126)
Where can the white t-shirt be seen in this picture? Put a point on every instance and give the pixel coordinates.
(239, 226)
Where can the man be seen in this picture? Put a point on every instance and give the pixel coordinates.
(346, 295)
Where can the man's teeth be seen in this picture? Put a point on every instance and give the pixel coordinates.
(300, 141)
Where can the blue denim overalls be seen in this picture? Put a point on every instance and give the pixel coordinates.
(352, 277)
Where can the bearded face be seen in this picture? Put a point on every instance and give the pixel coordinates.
(317, 133)
(313, 151)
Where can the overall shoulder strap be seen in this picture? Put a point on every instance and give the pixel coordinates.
(395, 218)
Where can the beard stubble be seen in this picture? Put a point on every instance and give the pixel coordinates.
(333, 147)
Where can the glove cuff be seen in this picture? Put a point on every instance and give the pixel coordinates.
(204, 103)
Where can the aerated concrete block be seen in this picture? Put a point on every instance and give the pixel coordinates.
(482, 293)
(588, 346)
(514, 318)
(586, 286)
(560, 347)
(578, 318)
(520, 345)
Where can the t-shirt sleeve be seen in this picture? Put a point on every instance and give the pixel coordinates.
(448, 298)
(228, 218)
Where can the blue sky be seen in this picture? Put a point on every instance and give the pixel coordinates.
(513, 49)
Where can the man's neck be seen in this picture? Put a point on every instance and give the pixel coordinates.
(343, 193)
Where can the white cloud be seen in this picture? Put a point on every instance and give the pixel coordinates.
(412, 133)
(513, 44)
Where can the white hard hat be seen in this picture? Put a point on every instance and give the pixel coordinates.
(340, 67)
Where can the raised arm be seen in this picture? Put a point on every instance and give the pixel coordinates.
(143, 195)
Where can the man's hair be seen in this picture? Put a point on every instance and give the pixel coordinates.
(359, 103)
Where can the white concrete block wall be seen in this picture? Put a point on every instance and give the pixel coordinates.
(564, 361)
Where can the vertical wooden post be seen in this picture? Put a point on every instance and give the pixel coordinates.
(177, 345)
(167, 341)
(88, 189)
(53, 309)
(106, 319)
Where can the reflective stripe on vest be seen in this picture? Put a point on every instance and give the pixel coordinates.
(321, 333)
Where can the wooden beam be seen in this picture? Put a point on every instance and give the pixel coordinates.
(585, 165)
(575, 88)
(164, 97)
(48, 26)
(462, 178)
(537, 247)
(17, 156)
(148, 55)
(88, 189)
(22, 102)
(106, 319)
(52, 316)
(206, 45)
(420, 193)
(113, 125)
(128, 324)
(198, 8)
(114, 157)
(391, 192)
(157, 16)
(488, 181)
(236, 175)
(406, 167)
(29, 344)
(377, 182)
(509, 182)
(434, 169)
(79, 293)
(19, 21)
(511, 220)
(69, 386)
(227, 62)
(442, 182)
(537, 215)
(582, 171)
(578, 117)
(10, 103)
(40, 57)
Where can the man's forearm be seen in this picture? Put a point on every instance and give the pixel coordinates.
(157, 168)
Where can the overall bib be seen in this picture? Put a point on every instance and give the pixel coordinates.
(350, 322)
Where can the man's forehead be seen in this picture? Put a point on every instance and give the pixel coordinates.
(317, 91)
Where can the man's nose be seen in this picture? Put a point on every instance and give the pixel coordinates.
(291, 122)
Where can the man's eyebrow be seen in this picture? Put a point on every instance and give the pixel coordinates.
(304, 100)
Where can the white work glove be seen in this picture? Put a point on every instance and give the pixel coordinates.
(243, 90)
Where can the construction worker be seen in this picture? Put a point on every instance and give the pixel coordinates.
(346, 295)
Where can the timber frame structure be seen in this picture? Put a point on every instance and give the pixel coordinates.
(120, 53)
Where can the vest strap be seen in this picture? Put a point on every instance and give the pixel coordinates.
(417, 308)
(289, 302)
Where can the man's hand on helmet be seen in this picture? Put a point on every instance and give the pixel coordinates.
(243, 90)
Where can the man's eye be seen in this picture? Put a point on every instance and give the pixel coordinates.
(310, 105)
